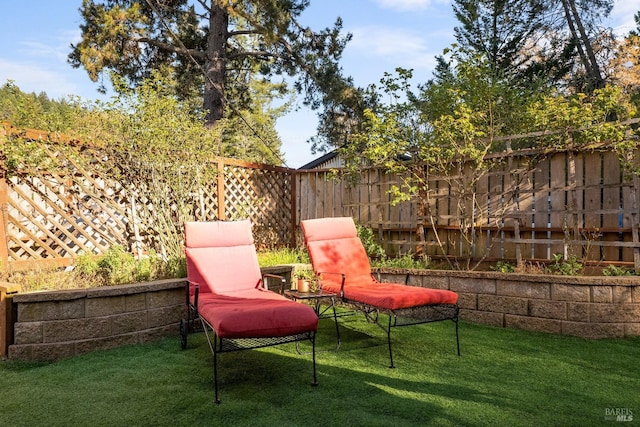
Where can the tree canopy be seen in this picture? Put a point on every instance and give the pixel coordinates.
(213, 49)
(557, 42)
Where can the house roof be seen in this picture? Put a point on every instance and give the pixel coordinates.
(320, 160)
(331, 155)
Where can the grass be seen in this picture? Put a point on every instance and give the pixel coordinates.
(504, 378)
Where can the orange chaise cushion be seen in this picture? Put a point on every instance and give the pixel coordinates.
(334, 247)
(256, 314)
(394, 296)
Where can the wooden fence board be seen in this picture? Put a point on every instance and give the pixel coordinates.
(558, 200)
(541, 213)
(612, 202)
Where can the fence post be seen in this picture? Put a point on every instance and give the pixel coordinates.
(221, 190)
(4, 244)
(294, 207)
(7, 316)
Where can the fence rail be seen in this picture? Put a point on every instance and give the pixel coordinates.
(528, 206)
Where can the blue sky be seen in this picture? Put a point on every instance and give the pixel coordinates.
(35, 36)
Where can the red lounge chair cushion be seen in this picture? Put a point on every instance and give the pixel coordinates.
(221, 256)
(335, 249)
(256, 314)
(394, 296)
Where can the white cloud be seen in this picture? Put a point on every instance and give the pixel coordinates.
(409, 5)
(622, 15)
(44, 51)
(394, 46)
(41, 66)
(34, 78)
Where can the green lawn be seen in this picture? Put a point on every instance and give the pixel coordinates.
(504, 378)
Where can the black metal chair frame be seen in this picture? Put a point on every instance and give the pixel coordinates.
(402, 317)
(225, 345)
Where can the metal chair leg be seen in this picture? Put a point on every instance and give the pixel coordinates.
(313, 346)
(389, 341)
(215, 376)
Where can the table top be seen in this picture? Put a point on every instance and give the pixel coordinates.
(308, 295)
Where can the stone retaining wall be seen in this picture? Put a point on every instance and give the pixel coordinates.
(589, 307)
(60, 324)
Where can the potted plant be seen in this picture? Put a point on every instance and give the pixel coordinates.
(305, 279)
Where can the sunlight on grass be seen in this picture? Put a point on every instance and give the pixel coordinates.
(503, 378)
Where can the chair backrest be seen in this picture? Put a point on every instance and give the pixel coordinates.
(334, 247)
(221, 256)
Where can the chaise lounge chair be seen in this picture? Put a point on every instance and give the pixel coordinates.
(339, 259)
(230, 297)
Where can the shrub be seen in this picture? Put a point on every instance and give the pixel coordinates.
(283, 256)
(503, 267)
(612, 270)
(407, 260)
(117, 267)
(371, 246)
(565, 267)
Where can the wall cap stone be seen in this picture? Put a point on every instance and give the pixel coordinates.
(105, 291)
(540, 278)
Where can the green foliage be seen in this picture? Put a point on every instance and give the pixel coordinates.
(447, 130)
(407, 260)
(283, 256)
(612, 270)
(86, 265)
(33, 111)
(370, 243)
(504, 30)
(580, 119)
(175, 267)
(118, 267)
(159, 150)
(503, 267)
(303, 273)
(257, 40)
(572, 266)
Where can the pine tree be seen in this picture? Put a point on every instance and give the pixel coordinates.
(212, 47)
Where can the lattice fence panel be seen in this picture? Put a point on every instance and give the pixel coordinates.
(264, 196)
(75, 208)
(57, 216)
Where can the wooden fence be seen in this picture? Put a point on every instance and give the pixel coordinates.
(528, 206)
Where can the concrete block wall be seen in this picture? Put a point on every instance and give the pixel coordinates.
(61, 324)
(589, 307)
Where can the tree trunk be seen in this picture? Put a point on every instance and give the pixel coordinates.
(583, 44)
(595, 68)
(215, 64)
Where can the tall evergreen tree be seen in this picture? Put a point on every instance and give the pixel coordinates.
(526, 41)
(500, 31)
(212, 47)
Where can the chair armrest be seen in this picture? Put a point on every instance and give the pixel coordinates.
(265, 285)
